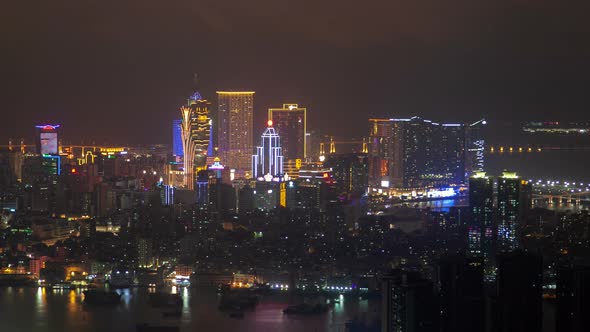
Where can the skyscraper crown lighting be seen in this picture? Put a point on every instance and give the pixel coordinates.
(196, 130)
(268, 159)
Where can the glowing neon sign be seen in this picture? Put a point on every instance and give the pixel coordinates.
(47, 127)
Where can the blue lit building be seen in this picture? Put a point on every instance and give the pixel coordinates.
(177, 138)
(203, 188)
(167, 195)
(51, 164)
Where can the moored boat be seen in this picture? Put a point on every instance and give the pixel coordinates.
(101, 297)
(159, 300)
(238, 301)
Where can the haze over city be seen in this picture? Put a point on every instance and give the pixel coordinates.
(133, 61)
(222, 165)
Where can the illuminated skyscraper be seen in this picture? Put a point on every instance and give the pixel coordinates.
(509, 211)
(413, 153)
(475, 147)
(350, 172)
(290, 123)
(196, 130)
(480, 225)
(235, 127)
(177, 150)
(47, 140)
(268, 159)
(381, 152)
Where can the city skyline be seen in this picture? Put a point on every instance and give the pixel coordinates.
(205, 223)
(377, 166)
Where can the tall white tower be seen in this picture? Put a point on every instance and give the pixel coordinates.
(268, 159)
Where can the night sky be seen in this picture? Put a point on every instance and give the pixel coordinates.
(117, 71)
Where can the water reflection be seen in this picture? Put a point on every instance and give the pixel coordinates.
(72, 303)
(41, 303)
(339, 305)
(57, 310)
(363, 306)
(185, 299)
(560, 206)
(125, 296)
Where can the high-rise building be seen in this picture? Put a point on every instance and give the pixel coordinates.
(461, 294)
(290, 123)
(480, 224)
(452, 154)
(215, 194)
(177, 150)
(268, 160)
(415, 153)
(51, 164)
(47, 139)
(167, 194)
(408, 303)
(41, 177)
(381, 146)
(306, 195)
(475, 147)
(267, 168)
(520, 291)
(235, 129)
(196, 131)
(145, 255)
(509, 211)
(269, 195)
(350, 171)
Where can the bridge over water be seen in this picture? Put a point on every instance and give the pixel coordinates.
(561, 192)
